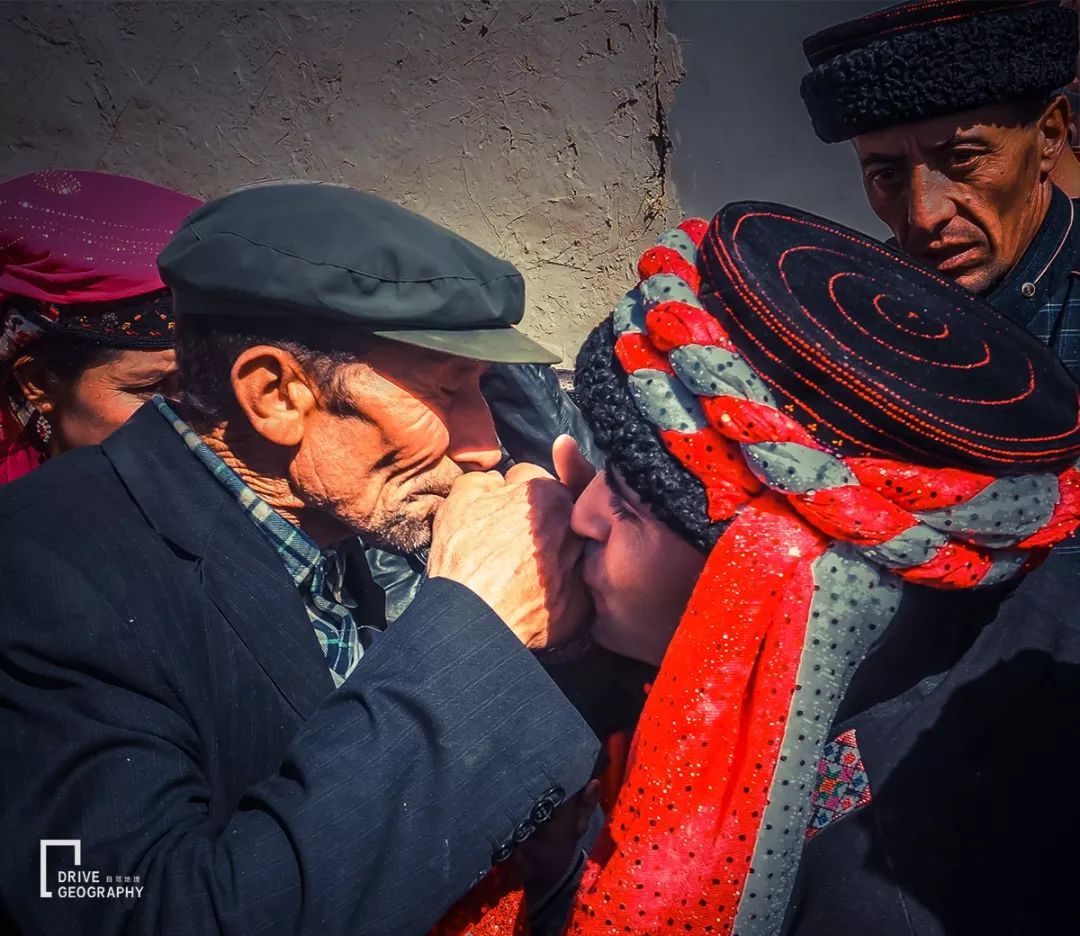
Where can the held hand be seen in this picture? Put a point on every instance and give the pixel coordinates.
(509, 541)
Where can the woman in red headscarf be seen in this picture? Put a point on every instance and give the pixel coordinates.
(86, 325)
(827, 470)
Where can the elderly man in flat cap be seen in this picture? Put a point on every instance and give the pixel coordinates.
(205, 728)
(955, 113)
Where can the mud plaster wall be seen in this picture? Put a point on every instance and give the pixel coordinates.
(535, 128)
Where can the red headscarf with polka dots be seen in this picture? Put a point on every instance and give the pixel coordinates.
(858, 423)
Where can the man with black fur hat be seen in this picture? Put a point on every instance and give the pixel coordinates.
(955, 112)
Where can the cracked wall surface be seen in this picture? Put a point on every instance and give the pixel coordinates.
(537, 129)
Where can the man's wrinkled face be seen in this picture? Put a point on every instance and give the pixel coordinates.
(964, 193)
(639, 572)
(404, 426)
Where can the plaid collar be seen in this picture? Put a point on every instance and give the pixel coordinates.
(301, 557)
(1044, 269)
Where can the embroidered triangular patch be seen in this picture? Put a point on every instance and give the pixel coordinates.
(842, 783)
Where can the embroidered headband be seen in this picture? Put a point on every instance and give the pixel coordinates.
(139, 322)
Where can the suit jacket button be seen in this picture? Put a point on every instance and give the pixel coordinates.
(523, 831)
(554, 796)
(503, 852)
(542, 812)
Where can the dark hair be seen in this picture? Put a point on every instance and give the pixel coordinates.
(1028, 109)
(207, 346)
(64, 359)
(633, 447)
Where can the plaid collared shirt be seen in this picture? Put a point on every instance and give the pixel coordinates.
(1042, 293)
(319, 576)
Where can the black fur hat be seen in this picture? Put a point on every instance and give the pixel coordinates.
(926, 58)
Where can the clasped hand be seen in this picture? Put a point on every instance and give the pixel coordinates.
(508, 539)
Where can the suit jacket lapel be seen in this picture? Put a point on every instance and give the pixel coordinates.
(247, 582)
(244, 578)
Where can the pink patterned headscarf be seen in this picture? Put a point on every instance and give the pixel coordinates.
(78, 254)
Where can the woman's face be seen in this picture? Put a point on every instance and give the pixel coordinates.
(104, 396)
(640, 573)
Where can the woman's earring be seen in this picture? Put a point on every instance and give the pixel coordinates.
(42, 427)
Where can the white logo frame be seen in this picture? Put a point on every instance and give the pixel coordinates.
(46, 844)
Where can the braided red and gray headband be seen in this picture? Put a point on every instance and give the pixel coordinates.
(713, 411)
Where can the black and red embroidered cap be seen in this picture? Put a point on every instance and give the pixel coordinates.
(877, 356)
(873, 354)
(927, 58)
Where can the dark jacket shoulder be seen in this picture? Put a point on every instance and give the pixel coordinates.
(164, 700)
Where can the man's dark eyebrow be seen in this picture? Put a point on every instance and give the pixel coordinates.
(955, 139)
(869, 158)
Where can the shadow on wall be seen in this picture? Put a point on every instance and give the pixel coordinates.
(738, 124)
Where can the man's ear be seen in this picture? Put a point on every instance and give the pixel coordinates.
(274, 393)
(1053, 133)
(590, 796)
(33, 381)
